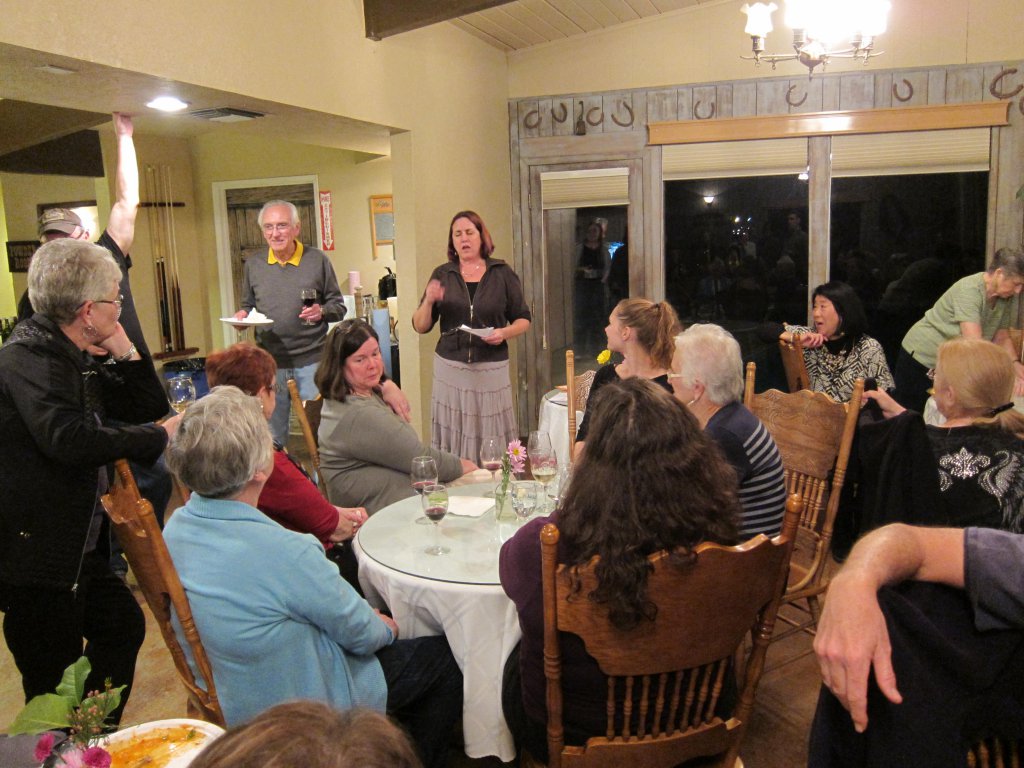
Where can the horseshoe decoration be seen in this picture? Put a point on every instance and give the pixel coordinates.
(789, 97)
(629, 111)
(994, 89)
(565, 114)
(696, 111)
(532, 119)
(896, 91)
(600, 116)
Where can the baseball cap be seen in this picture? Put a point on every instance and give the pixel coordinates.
(59, 220)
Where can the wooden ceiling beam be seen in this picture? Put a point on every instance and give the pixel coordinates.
(384, 18)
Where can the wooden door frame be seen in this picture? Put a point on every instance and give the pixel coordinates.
(645, 223)
(220, 227)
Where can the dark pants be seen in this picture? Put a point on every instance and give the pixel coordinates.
(957, 684)
(912, 382)
(44, 629)
(424, 693)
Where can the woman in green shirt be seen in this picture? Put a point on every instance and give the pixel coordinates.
(981, 306)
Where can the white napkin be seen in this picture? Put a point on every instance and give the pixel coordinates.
(469, 506)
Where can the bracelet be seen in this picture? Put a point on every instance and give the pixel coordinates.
(127, 355)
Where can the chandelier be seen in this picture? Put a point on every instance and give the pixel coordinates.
(822, 30)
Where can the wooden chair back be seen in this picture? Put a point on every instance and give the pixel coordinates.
(665, 676)
(308, 415)
(136, 528)
(577, 392)
(996, 752)
(814, 434)
(793, 361)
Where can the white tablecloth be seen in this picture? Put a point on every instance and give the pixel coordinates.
(457, 594)
(554, 419)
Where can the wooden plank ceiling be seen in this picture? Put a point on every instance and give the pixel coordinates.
(513, 26)
(524, 23)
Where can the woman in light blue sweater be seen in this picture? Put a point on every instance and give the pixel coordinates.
(275, 617)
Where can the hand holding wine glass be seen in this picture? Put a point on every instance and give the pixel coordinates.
(435, 507)
(308, 300)
(182, 392)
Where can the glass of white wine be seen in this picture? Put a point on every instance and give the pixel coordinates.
(182, 392)
(543, 461)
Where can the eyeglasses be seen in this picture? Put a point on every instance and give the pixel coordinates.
(268, 228)
(118, 302)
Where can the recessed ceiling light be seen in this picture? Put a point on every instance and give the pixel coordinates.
(53, 69)
(167, 104)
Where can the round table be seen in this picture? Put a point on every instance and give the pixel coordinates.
(457, 594)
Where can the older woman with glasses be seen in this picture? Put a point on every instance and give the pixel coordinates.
(366, 451)
(57, 405)
(708, 379)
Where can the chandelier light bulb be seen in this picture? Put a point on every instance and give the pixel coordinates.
(759, 18)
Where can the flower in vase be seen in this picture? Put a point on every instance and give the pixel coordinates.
(44, 746)
(517, 456)
(604, 357)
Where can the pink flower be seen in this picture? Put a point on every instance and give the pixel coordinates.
(44, 746)
(517, 456)
(96, 757)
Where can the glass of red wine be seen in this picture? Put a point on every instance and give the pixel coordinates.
(435, 507)
(490, 457)
(423, 473)
(308, 300)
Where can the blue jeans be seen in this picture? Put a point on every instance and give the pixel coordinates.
(424, 693)
(307, 391)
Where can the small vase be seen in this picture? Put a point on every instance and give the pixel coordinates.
(503, 511)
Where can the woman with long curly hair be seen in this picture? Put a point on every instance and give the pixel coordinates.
(650, 480)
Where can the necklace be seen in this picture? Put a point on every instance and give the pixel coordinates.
(472, 269)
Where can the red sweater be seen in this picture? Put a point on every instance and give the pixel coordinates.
(291, 498)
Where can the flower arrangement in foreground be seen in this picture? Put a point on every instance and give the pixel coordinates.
(82, 718)
(512, 461)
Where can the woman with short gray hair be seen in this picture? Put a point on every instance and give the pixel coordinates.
(57, 407)
(707, 378)
(277, 619)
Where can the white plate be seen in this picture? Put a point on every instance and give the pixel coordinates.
(253, 323)
(175, 754)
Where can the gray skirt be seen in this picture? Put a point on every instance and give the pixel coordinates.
(470, 401)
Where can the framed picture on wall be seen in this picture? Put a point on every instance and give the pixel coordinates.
(382, 220)
(19, 253)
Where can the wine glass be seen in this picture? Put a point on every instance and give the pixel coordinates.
(524, 494)
(308, 300)
(491, 451)
(557, 488)
(182, 392)
(435, 505)
(543, 461)
(423, 473)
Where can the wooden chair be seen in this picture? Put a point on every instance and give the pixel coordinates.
(308, 415)
(995, 752)
(578, 392)
(793, 361)
(679, 662)
(814, 434)
(136, 528)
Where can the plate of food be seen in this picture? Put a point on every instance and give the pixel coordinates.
(160, 744)
(255, 319)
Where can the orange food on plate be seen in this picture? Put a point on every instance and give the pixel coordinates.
(155, 748)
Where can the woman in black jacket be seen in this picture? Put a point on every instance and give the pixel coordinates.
(56, 586)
